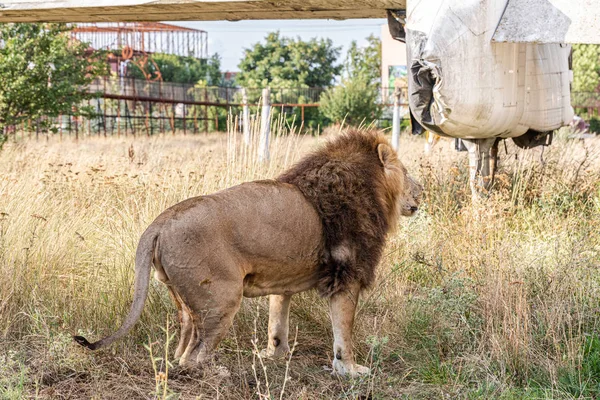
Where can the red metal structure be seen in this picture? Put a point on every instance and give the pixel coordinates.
(129, 40)
(144, 37)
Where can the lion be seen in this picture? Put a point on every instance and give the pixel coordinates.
(320, 225)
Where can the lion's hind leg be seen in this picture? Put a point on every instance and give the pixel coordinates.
(185, 322)
(211, 309)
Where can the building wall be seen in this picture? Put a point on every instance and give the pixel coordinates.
(393, 54)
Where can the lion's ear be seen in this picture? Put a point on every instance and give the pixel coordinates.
(386, 155)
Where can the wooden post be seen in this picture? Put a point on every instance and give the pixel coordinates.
(162, 112)
(173, 118)
(245, 117)
(148, 121)
(184, 121)
(205, 110)
(90, 120)
(396, 120)
(104, 113)
(195, 121)
(119, 119)
(132, 118)
(265, 126)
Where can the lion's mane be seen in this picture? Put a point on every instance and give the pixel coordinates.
(347, 184)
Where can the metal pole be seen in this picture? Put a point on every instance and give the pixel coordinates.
(245, 117)
(265, 126)
(396, 120)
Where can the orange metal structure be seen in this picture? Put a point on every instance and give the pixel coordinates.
(144, 37)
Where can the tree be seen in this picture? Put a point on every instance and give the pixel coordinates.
(364, 61)
(42, 73)
(283, 62)
(178, 69)
(356, 99)
(586, 67)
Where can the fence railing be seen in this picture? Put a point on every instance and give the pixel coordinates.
(585, 99)
(168, 92)
(134, 106)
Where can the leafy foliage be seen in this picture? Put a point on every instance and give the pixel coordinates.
(178, 69)
(355, 100)
(42, 72)
(283, 62)
(586, 67)
(364, 61)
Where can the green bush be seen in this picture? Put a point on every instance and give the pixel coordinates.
(354, 101)
(178, 69)
(595, 125)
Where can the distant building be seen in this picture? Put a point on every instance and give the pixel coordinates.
(393, 64)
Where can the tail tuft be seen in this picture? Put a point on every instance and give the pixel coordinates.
(84, 342)
(143, 264)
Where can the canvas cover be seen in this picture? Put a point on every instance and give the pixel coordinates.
(462, 84)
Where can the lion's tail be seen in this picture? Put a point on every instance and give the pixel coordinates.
(143, 261)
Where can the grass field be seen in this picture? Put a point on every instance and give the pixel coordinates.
(495, 301)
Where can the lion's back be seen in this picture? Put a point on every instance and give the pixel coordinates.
(251, 222)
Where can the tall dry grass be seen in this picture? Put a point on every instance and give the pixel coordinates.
(502, 300)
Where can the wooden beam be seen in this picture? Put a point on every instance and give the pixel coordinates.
(182, 10)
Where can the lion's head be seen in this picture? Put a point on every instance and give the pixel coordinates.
(402, 192)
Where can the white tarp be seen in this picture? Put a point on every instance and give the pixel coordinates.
(461, 84)
(550, 21)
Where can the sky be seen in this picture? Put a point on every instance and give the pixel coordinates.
(229, 39)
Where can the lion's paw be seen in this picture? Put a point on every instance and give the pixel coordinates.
(278, 352)
(351, 370)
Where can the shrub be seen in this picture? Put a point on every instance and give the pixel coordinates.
(354, 101)
(594, 125)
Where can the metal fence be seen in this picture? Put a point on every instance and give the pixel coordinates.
(168, 92)
(585, 99)
(126, 106)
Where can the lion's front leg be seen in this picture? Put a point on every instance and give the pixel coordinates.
(279, 318)
(342, 306)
